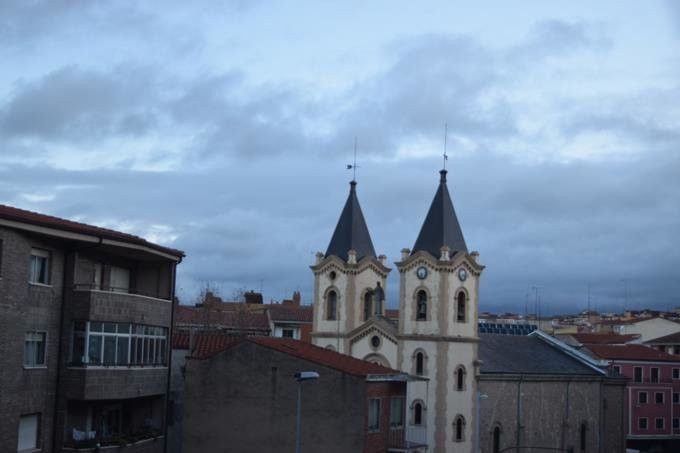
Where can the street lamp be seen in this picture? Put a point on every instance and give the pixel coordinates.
(480, 396)
(300, 377)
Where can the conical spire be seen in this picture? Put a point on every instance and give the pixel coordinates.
(441, 225)
(351, 231)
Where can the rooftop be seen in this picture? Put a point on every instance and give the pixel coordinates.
(210, 344)
(512, 354)
(604, 338)
(206, 316)
(351, 232)
(636, 352)
(673, 338)
(33, 218)
(301, 313)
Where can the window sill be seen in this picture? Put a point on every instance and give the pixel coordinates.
(39, 285)
(116, 367)
(37, 367)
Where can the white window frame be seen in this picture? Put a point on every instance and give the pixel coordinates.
(44, 354)
(153, 340)
(34, 270)
(676, 374)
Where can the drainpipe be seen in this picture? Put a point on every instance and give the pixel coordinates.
(60, 340)
(169, 351)
(519, 411)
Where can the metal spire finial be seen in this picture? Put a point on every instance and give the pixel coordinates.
(354, 165)
(446, 133)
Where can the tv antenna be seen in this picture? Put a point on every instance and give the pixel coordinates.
(353, 166)
(446, 133)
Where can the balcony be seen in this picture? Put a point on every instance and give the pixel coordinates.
(116, 425)
(408, 439)
(101, 383)
(118, 306)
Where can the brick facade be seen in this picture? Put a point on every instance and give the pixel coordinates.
(52, 308)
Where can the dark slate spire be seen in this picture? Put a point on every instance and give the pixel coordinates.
(351, 231)
(441, 225)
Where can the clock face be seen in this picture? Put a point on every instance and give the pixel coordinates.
(421, 272)
(462, 274)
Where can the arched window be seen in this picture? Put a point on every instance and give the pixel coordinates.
(421, 307)
(461, 306)
(584, 428)
(460, 378)
(417, 413)
(368, 298)
(496, 439)
(420, 363)
(459, 429)
(332, 305)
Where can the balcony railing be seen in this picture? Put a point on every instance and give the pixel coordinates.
(117, 290)
(90, 440)
(407, 438)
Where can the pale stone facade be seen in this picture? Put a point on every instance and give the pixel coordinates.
(436, 335)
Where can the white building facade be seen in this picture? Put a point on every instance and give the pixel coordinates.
(436, 334)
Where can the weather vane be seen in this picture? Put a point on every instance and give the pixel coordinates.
(353, 166)
(446, 130)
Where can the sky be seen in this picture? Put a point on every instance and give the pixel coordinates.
(224, 129)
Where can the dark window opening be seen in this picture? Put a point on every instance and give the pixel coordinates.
(368, 298)
(460, 424)
(418, 414)
(654, 377)
(422, 306)
(496, 440)
(461, 307)
(420, 363)
(332, 304)
(638, 374)
(460, 379)
(583, 437)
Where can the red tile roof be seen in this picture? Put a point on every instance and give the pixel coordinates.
(603, 338)
(209, 345)
(302, 313)
(227, 319)
(673, 338)
(34, 218)
(180, 340)
(392, 313)
(630, 352)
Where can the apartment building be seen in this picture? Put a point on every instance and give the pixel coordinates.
(85, 317)
(652, 398)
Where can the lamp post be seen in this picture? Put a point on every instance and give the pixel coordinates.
(300, 377)
(480, 396)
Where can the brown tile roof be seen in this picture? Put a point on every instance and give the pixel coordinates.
(392, 313)
(673, 338)
(34, 218)
(180, 340)
(630, 352)
(302, 313)
(604, 338)
(227, 319)
(209, 345)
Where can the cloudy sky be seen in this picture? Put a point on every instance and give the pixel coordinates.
(224, 128)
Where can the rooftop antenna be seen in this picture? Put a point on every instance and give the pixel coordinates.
(446, 133)
(353, 166)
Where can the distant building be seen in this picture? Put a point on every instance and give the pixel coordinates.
(667, 343)
(241, 396)
(652, 402)
(84, 319)
(539, 392)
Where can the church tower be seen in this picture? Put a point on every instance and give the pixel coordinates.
(439, 283)
(349, 280)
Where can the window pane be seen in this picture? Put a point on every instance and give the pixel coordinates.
(109, 350)
(29, 353)
(162, 352)
(95, 327)
(78, 354)
(40, 350)
(396, 412)
(122, 356)
(124, 328)
(110, 327)
(374, 414)
(120, 279)
(139, 359)
(94, 351)
(28, 432)
(147, 351)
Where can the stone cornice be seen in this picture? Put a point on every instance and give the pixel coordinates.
(366, 329)
(423, 257)
(485, 376)
(334, 262)
(438, 338)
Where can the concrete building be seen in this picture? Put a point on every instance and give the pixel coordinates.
(435, 334)
(240, 395)
(84, 319)
(538, 394)
(652, 399)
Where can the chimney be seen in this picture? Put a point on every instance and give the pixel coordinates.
(352, 257)
(445, 253)
(296, 298)
(252, 297)
(319, 257)
(382, 259)
(405, 253)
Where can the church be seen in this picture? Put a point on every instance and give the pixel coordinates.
(435, 338)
